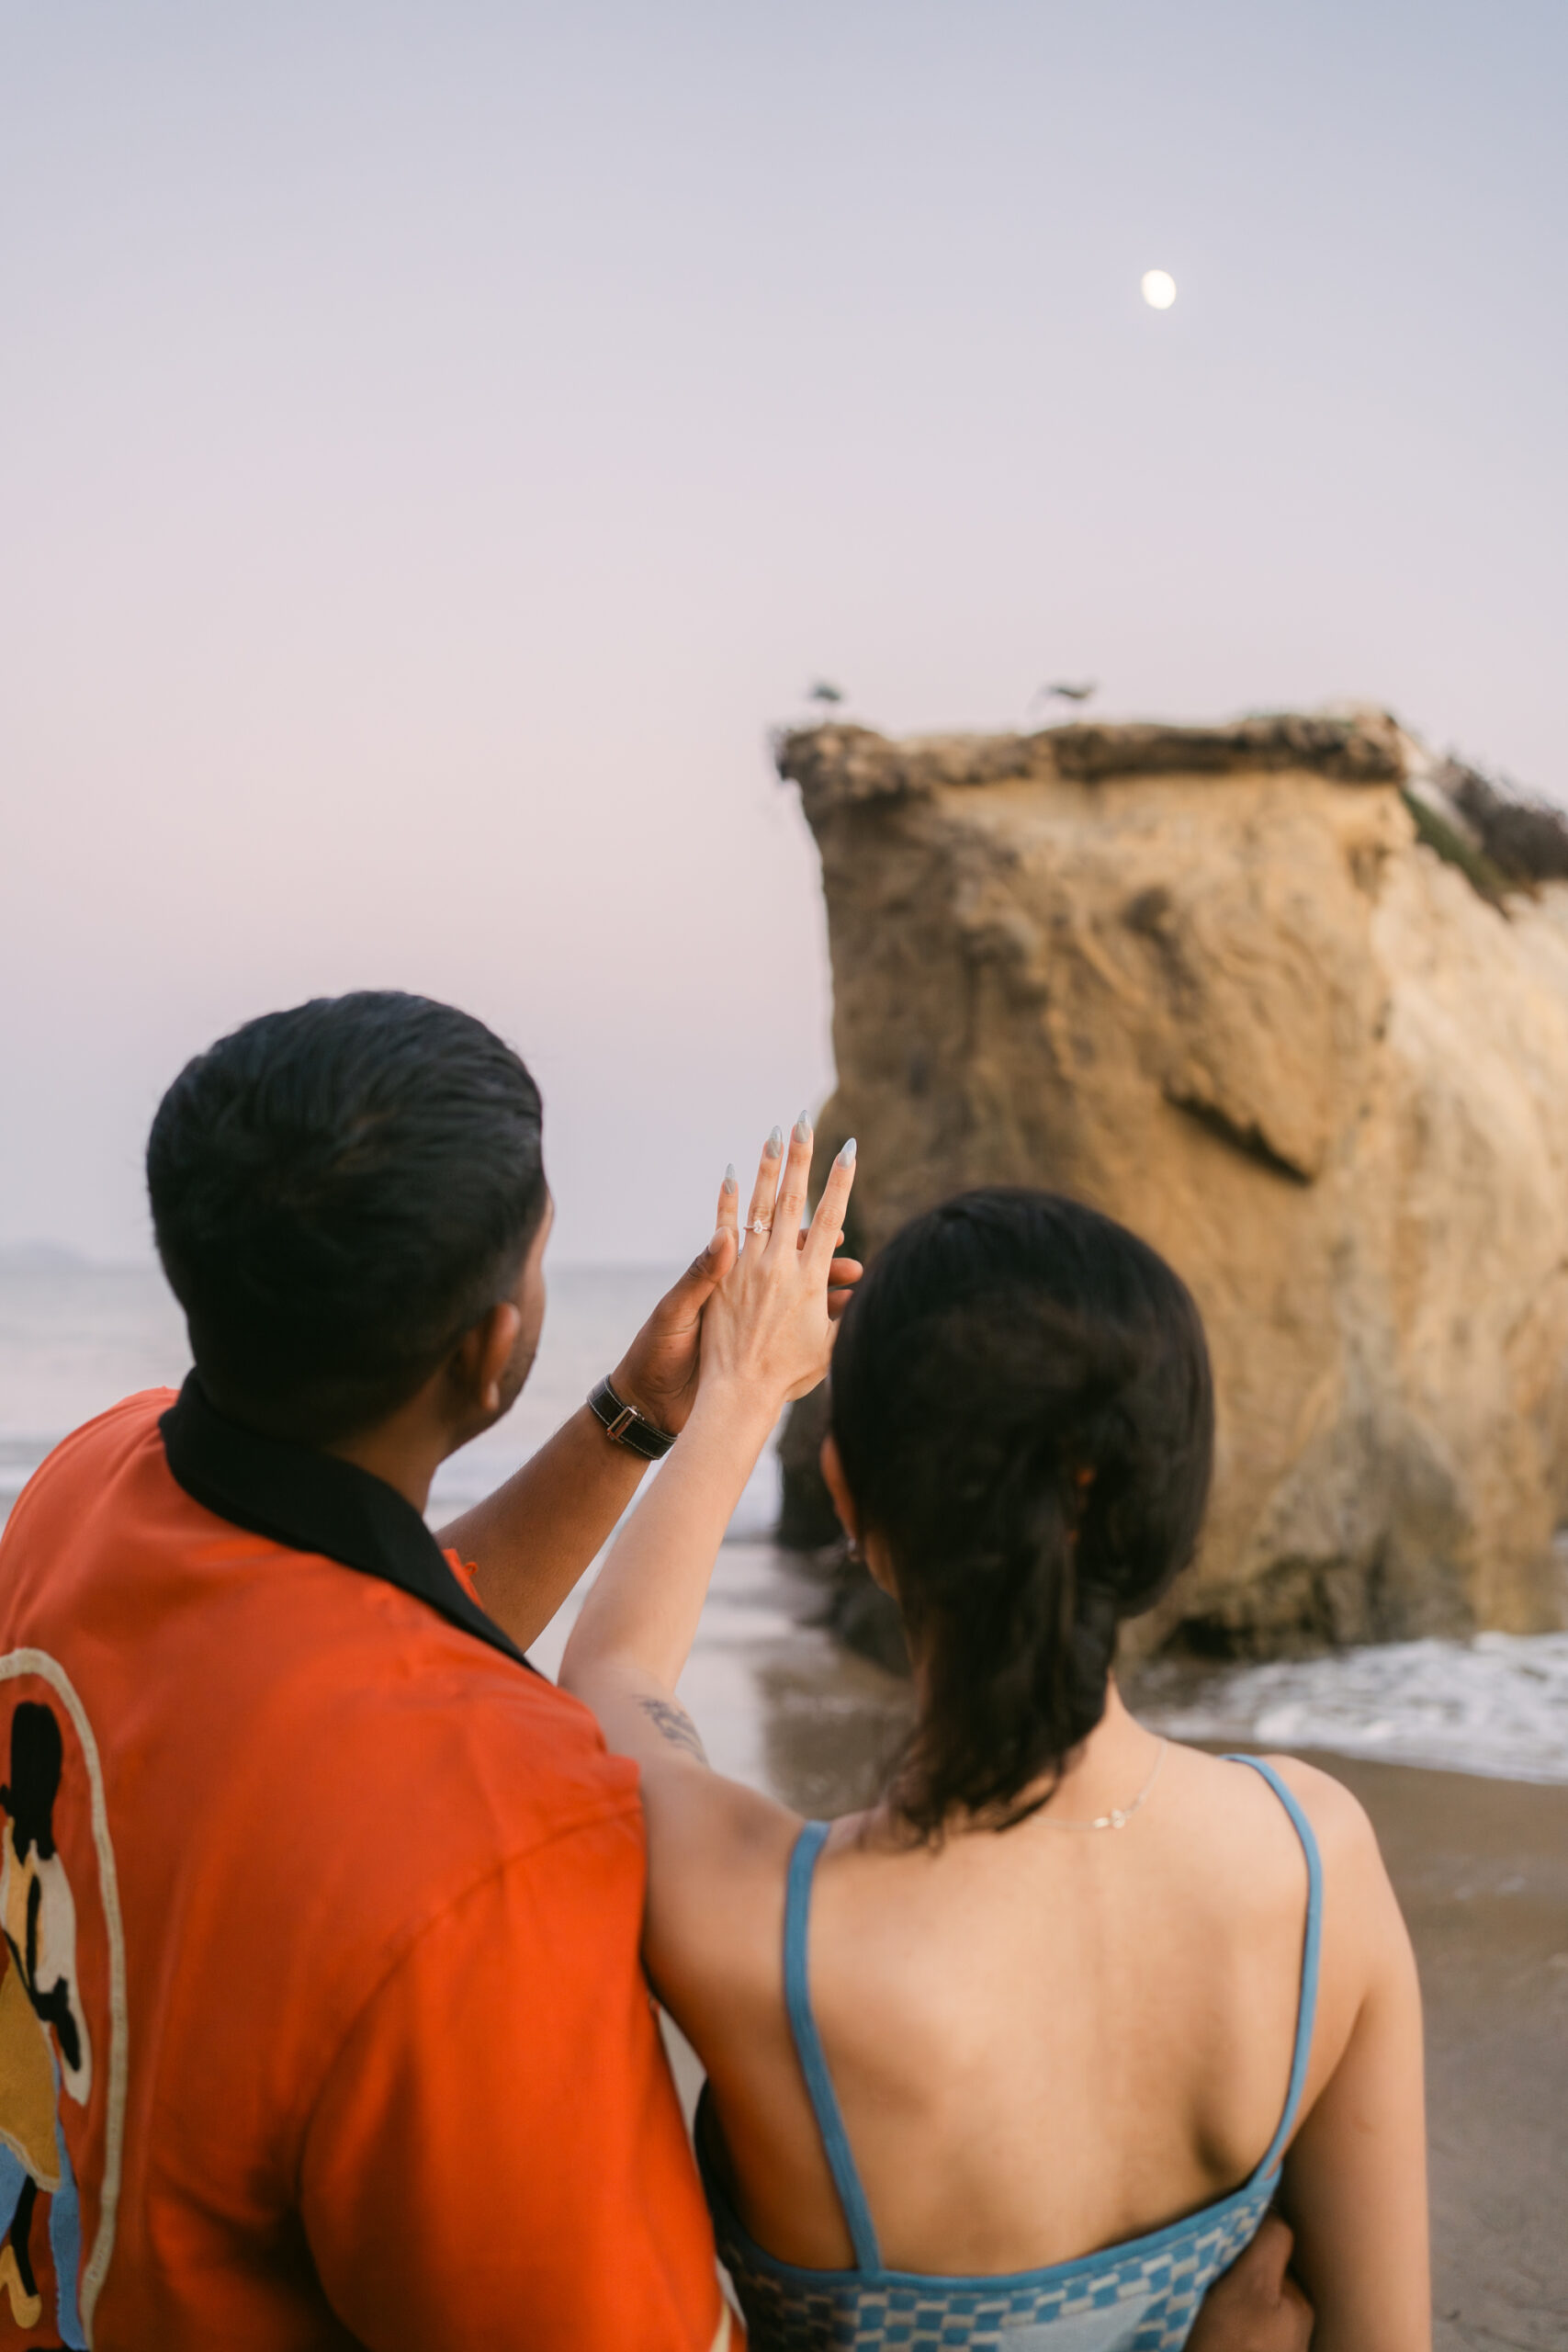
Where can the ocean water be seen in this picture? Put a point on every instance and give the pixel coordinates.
(779, 1703)
(1497, 1704)
(74, 1338)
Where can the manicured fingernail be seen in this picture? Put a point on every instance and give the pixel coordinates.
(847, 1159)
(803, 1129)
(774, 1146)
(730, 1178)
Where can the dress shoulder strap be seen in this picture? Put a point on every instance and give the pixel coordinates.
(808, 2046)
(1312, 1943)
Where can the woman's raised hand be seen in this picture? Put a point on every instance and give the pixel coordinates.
(769, 1326)
(767, 1333)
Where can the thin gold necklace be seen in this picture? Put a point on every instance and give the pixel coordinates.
(1119, 1816)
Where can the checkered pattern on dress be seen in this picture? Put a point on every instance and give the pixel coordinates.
(1143, 2303)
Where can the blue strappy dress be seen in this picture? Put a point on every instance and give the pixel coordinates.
(1142, 2296)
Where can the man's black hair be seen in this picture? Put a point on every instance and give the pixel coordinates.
(338, 1192)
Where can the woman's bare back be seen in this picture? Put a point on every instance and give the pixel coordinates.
(1086, 2034)
(1044, 2041)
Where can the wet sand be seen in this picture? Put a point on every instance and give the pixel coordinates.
(1480, 1869)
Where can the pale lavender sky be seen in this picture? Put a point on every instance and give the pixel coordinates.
(437, 440)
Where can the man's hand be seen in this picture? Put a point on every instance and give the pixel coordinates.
(531, 1541)
(1254, 2307)
(659, 1372)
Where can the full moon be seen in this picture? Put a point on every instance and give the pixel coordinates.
(1159, 289)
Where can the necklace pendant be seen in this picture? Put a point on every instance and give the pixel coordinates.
(1120, 1815)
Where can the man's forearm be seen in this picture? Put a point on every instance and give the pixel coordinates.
(532, 1538)
(644, 1607)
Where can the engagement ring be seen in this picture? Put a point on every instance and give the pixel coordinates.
(760, 1225)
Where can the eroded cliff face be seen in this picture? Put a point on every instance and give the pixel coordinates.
(1210, 981)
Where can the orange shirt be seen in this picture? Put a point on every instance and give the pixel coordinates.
(330, 2027)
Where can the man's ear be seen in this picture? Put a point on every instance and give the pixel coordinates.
(484, 1353)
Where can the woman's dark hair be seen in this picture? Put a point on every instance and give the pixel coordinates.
(338, 1192)
(1022, 1405)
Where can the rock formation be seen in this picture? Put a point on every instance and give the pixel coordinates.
(1286, 1002)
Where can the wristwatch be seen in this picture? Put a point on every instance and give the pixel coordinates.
(628, 1426)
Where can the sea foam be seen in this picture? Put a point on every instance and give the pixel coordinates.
(1497, 1704)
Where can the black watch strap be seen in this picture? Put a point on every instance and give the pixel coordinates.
(626, 1425)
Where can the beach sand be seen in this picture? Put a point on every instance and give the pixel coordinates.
(1480, 1869)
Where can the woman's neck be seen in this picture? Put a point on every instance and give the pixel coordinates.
(1108, 1772)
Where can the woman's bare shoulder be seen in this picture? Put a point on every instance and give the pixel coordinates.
(701, 1823)
(1365, 1947)
(1240, 1807)
(1337, 1819)
(713, 1927)
(1339, 1822)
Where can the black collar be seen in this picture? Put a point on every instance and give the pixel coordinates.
(314, 1503)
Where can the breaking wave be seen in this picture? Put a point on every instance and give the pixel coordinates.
(1497, 1704)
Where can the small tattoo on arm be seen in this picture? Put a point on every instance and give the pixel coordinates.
(673, 1724)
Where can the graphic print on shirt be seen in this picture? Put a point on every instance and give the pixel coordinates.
(62, 2010)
